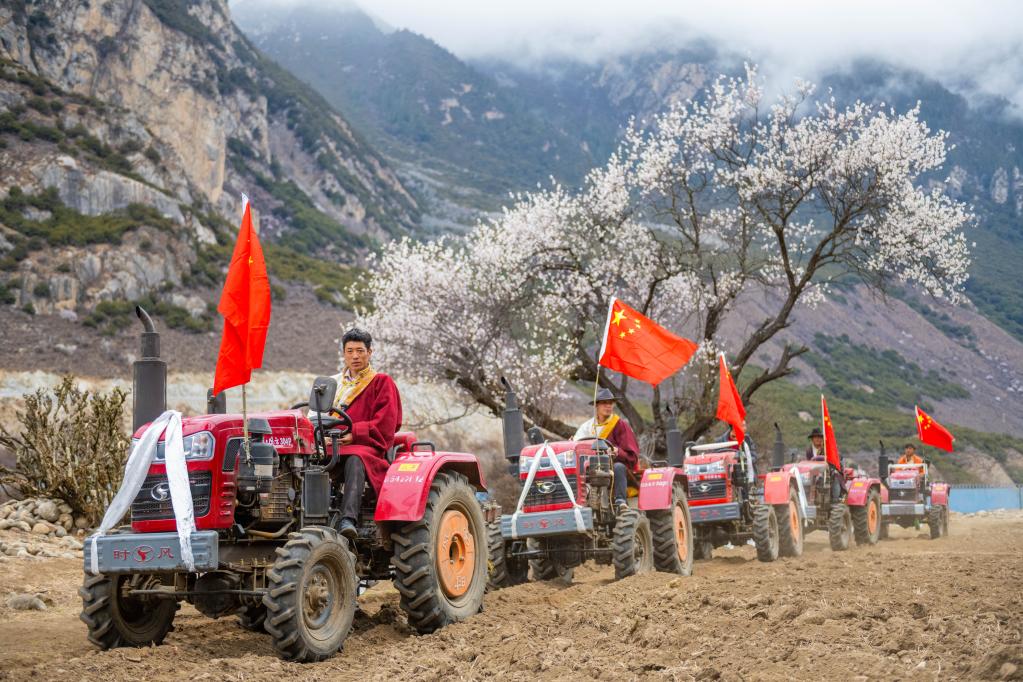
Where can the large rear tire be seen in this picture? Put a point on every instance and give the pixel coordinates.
(840, 527)
(440, 561)
(310, 604)
(672, 531)
(936, 520)
(504, 571)
(765, 532)
(790, 526)
(115, 620)
(632, 547)
(867, 520)
(548, 567)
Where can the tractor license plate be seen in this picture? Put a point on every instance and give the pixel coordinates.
(536, 524)
(146, 552)
(711, 513)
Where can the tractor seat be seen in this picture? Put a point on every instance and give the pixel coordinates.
(403, 441)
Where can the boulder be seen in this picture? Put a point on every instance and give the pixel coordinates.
(42, 528)
(47, 510)
(26, 602)
(82, 523)
(66, 521)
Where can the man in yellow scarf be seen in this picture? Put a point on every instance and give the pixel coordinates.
(615, 430)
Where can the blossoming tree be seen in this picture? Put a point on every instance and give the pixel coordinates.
(718, 198)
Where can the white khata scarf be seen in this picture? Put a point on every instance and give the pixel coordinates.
(350, 386)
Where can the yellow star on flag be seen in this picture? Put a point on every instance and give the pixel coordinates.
(622, 335)
(619, 316)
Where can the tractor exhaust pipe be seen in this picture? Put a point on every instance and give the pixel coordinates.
(216, 404)
(149, 384)
(676, 451)
(883, 463)
(778, 453)
(513, 428)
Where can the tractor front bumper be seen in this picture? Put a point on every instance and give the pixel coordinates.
(712, 513)
(151, 552)
(902, 509)
(537, 524)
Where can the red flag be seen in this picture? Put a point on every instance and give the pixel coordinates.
(830, 444)
(933, 433)
(637, 346)
(730, 408)
(245, 305)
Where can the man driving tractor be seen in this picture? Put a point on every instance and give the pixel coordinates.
(815, 450)
(909, 455)
(372, 402)
(615, 430)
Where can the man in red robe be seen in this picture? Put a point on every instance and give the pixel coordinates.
(371, 400)
(617, 431)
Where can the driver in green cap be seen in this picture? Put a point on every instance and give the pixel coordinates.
(615, 430)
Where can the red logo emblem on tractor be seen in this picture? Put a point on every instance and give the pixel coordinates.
(543, 523)
(143, 554)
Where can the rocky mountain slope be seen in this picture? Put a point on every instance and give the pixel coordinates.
(128, 131)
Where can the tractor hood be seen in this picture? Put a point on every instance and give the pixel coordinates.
(289, 427)
(727, 456)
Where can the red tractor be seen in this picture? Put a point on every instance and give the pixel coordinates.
(726, 505)
(267, 547)
(913, 497)
(802, 495)
(565, 513)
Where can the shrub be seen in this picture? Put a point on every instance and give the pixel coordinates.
(41, 290)
(72, 446)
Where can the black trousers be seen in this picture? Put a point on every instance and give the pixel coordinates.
(355, 483)
(621, 485)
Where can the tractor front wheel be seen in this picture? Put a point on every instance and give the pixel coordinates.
(310, 604)
(765, 532)
(936, 520)
(251, 617)
(116, 619)
(867, 520)
(632, 547)
(505, 571)
(840, 527)
(672, 531)
(548, 567)
(440, 561)
(790, 526)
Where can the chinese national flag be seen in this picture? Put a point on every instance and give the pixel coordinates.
(639, 347)
(730, 409)
(245, 305)
(933, 433)
(830, 444)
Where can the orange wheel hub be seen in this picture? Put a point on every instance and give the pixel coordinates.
(872, 518)
(456, 553)
(680, 533)
(794, 518)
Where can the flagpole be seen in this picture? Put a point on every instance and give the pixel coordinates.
(245, 427)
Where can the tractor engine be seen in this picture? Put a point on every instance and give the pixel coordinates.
(587, 470)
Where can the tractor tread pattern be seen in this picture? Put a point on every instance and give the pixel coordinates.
(765, 541)
(283, 612)
(838, 527)
(98, 615)
(789, 545)
(935, 521)
(662, 527)
(501, 571)
(415, 575)
(546, 569)
(623, 545)
(860, 517)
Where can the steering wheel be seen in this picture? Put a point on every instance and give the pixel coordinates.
(346, 421)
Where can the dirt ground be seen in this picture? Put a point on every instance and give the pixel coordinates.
(908, 608)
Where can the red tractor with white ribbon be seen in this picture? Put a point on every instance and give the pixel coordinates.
(803, 497)
(565, 513)
(913, 497)
(266, 544)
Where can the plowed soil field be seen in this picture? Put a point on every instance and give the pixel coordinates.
(909, 608)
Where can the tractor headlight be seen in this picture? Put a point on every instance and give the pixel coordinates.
(715, 467)
(524, 464)
(566, 459)
(198, 446)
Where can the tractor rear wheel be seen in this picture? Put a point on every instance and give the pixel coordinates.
(251, 617)
(765, 532)
(935, 520)
(310, 604)
(632, 547)
(840, 527)
(548, 567)
(440, 561)
(867, 520)
(672, 531)
(883, 534)
(504, 571)
(790, 526)
(116, 620)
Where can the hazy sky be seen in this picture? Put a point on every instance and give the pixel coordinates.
(965, 44)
